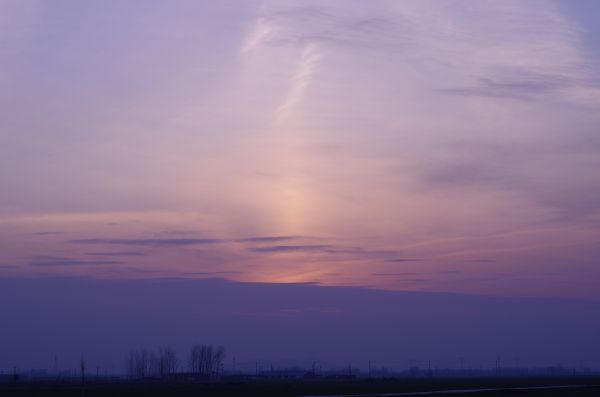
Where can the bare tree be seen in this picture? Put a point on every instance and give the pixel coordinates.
(206, 356)
(219, 357)
(130, 364)
(194, 360)
(142, 364)
(151, 364)
(206, 361)
(167, 361)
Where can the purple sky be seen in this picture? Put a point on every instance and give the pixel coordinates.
(432, 146)
(287, 324)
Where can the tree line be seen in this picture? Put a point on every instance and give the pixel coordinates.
(204, 361)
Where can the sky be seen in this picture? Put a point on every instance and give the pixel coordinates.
(416, 145)
(283, 325)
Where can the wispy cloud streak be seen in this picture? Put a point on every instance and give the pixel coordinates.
(291, 248)
(163, 243)
(123, 253)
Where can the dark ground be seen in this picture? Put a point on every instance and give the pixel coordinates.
(283, 388)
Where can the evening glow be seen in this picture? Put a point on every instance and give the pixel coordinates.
(442, 146)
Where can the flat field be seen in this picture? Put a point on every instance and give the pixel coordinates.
(589, 386)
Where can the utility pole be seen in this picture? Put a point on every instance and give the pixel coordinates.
(498, 366)
(82, 367)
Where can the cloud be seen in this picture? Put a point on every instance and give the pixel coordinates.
(158, 243)
(266, 239)
(483, 260)
(292, 248)
(8, 266)
(142, 271)
(470, 172)
(48, 258)
(406, 260)
(346, 252)
(548, 173)
(397, 274)
(215, 273)
(178, 232)
(521, 85)
(312, 33)
(362, 252)
(416, 273)
(369, 27)
(300, 81)
(122, 253)
(52, 261)
(518, 51)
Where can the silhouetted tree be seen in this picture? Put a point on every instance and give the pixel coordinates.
(141, 364)
(219, 357)
(206, 361)
(167, 361)
(195, 354)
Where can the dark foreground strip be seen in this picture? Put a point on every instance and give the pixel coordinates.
(454, 391)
